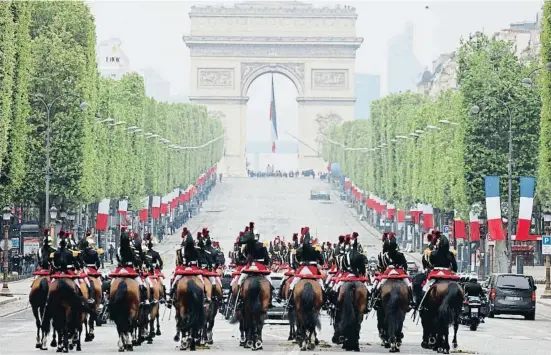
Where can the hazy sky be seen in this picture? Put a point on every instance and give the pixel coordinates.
(151, 33)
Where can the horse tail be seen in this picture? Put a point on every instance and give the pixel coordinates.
(451, 305)
(253, 295)
(394, 313)
(307, 307)
(417, 286)
(349, 314)
(39, 297)
(194, 303)
(119, 311)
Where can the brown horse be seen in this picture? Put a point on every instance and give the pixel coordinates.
(392, 313)
(37, 299)
(157, 293)
(64, 308)
(190, 313)
(256, 293)
(124, 306)
(291, 311)
(441, 308)
(352, 305)
(212, 310)
(308, 299)
(95, 282)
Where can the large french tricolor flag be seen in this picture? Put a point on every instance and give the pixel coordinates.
(474, 226)
(273, 118)
(493, 207)
(525, 208)
(103, 215)
(428, 220)
(156, 207)
(144, 209)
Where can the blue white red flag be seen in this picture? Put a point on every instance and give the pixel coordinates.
(273, 118)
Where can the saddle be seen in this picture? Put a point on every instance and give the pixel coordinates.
(439, 273)
(69, 274)
(125, 271)
(42, 272)
(237, 271)
(308, 272)
(92, 271)
(350, 277)
(394, 273)
(188, 271)
(158, 273)
(256, 268)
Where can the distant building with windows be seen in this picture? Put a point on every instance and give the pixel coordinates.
(112, 62)
(441, 77)
(525, 36)
(403, 67)
(367, 90)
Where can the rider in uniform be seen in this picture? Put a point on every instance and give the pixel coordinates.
(64, 261)
(129, 256)
(255, 252)
(310, 259)
(153, 259)
(395, 259)
(45, 253)
(90, 258)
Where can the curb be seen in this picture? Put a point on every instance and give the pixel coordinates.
(8, 300)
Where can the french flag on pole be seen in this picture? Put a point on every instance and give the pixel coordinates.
(493, 207)
(123, 207)
(103, 215)
(474, 226)
(273, 118)
(428, 220)
(144, 209)
(525, 208)
(156, 207)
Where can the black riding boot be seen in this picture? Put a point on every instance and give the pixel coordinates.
(280, 293)
(237, 314)
(91, 294)
(144, 300)
(271, 305)
(170, 299)
(162, 300)
(411, 300)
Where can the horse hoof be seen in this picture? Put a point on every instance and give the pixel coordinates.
(158, 332)
(242, 343)
(432, 341)
(440, 350)
(424, 345)
(455, 346)
(446, 351)
(210, 342)
(177, 337)
(65, 350)
(317, 342)
(249, 344)
(79, 348)
(38, 346)
(121, 350)
(387, 345)
(53, 344)
(290, 338)
(150, 341)
(311, 346)
(59, 350)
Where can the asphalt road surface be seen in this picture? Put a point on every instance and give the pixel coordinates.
(281, 207)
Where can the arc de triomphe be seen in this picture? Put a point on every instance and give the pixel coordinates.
(314, 47)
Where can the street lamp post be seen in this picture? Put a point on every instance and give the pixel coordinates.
(547, 292)
(49, 107)
(6, 216)
(53, 216)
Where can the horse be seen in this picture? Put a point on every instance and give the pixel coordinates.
(156, 294)
(37, 299)
(212, 310)
(90, 325)
(392, 313)
(256, 293)
(308, 299)
(124, 306)
(352, 305)
(64, 308)
(190, 314)
(291, 311)
(442, 306)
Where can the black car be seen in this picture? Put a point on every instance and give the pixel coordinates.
(512, 294)
(413, 268)
(278, 311)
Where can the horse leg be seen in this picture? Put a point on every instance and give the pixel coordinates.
(65, 345)
(55, 335)
(36, 314)
(158, 332)
(78, 338)
(455, 329)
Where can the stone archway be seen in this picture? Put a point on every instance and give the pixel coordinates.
(232, 46)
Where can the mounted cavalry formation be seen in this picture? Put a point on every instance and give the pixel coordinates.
(71, 296)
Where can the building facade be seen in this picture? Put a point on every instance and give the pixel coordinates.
(403, 67)
(367, 89)
(112, 62)
(441, 77)
(525, 37)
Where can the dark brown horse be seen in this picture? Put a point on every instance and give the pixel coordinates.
(441, 308)
(256, 293)
(291, 311)
(190, 312)
(37, 300)
(392, 313)
(352, 305)
(216, 292)
(64, 309)
(157, 293)
(95, 282)
(308, 299)
(124, 307)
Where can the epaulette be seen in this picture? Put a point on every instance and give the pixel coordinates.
(52, 255)
(454, 252)
(293, 251)
(427, 252)
(100, 251)
(318, 248)
(75, 252)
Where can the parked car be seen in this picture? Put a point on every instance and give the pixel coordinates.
(512, 294)
(278, 311)
(320, 195)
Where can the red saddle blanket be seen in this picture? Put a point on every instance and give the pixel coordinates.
(209, 273)
(237, 271)
(158, 273)
(92, 271)
(309, 272)
(256, 268)
(393, 273)
(69, 274)
(188, 271)
(443, 274)
(41, 272)
(349, 277)
(126, 271)
(333, 270)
